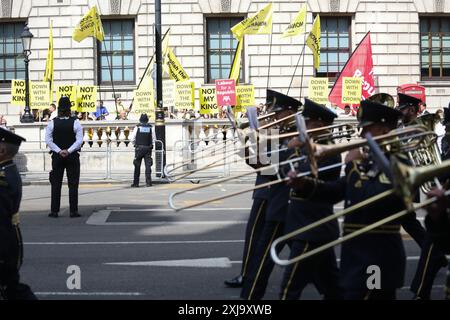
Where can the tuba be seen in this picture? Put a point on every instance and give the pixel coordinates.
(383, 98)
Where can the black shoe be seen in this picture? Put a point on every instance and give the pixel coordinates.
(236, 282)
(75, 215)
(148, 185)
(53, 214)
(135, 185)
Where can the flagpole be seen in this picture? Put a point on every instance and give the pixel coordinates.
(303, 68)
(270, 57)
(112, 80)
(298, 62)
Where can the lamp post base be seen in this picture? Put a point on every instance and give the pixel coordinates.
(27, 118)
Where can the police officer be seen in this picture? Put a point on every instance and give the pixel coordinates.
(11, 246)
(321, 270)
(64, 137)
(143, 138)
(431, 258)
(260, 264)
(381, 248)
(260, 196)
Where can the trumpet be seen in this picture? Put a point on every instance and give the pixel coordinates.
(332, 132)
(406, 180)
(412, 136)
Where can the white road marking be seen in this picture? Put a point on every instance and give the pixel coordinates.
(188, 263)
(75, 293)
(129, 242)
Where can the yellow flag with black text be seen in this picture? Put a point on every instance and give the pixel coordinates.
(49, 69)
(236, 67)
(90, 25)
(260, 23)
(313, 41)
(173, 67)
(298, 25)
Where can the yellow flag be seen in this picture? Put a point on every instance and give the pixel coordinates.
(90, 25)
(260, 23)
(236, 67)
(313, 41)
(298, 25)
(48, 75)
(173, 67)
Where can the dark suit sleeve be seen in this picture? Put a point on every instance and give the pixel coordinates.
(439, 231)
(330, 192)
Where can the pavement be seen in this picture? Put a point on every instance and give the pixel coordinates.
(129, 244)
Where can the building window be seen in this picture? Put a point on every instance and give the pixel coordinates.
(221, 47)
(116, 53)
(435, 47)
(12, 65)
(335, 45)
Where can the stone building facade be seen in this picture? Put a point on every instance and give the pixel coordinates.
(411, 43)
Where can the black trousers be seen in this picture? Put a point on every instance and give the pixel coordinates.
(431, 258)
(253, 231)
(11, 257)
(72, 166)
(261, 264)
(142, 153)
(321, 270)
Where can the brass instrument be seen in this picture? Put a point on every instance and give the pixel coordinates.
(383, 98)
(407, 179)
(400, 140)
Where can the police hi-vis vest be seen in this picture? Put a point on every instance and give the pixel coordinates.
(144, 136)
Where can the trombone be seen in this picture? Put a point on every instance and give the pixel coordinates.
(319, 152)
(345, 130)
(406, 180)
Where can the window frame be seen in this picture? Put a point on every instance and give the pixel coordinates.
(430, 76)
(101, 47)
(7, 83)
(206, 17)
(350, 43)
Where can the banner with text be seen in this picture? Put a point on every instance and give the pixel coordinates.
(185, 95)
(207, 99)
(69, 91)
(318, 90)
(18, 93)
(169, 94)
(245, 96)
(351, 90)
(86, 98)
(39, 95)
(144, 102)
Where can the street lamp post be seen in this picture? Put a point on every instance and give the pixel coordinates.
(26, 43)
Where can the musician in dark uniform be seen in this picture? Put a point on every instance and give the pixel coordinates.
(64, 137)
(321, 270)
(445, 143)
(261, 265)
(431, 258)
(381, 247)
(143, 138)
(260, 197)
(11, 245)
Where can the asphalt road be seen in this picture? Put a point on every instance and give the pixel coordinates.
(130, 245)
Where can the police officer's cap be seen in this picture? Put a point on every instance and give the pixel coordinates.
(281, 102)
(315, 111)
(64, 104)
(371, 112)
(405, 101)
(9, 137)
(143, 118)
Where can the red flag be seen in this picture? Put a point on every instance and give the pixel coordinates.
(360, 64)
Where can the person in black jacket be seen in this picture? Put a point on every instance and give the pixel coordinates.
(64, 137)
(11, 245)
(143, 138)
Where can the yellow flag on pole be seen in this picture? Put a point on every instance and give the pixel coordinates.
(49, 67)
(298, 25)
(90, 25)
(236, 67)
(173, 67)
(260, 23)
(313, 41)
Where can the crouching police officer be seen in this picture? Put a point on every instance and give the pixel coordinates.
(11, 246)
(143, 138)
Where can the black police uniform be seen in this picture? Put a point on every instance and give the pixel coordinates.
(64, 137)
(143, 150)
(11, 245)
(431, 258)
